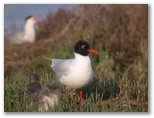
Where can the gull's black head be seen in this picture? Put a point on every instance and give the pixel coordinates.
(82, 47)
(28, 17)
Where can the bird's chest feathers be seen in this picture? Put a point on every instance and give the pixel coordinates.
(81, 68)
(29, 33)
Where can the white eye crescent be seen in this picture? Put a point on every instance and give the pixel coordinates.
(83, 46)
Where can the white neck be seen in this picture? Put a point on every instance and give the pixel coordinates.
(82, 59)
(29, 31)
(79, 55)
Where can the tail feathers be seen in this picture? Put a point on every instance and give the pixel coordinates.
(47, 58)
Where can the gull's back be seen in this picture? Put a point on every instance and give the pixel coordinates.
(61, 67)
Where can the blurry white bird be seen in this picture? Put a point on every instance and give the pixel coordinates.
(77, 72)
(27, 36)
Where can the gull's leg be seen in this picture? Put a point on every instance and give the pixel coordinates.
(71, 95)
(81, 97)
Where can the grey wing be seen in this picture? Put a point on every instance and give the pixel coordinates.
(61, 67)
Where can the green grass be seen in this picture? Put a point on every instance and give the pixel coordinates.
(93, 95)
(108, 92)
(101, 95)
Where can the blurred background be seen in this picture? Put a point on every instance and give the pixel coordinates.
(16, 13)
(119, 32)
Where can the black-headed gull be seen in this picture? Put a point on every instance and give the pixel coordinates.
(27, 36)
(75, 73)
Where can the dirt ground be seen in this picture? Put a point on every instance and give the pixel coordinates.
(20, 58)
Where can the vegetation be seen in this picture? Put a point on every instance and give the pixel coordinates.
(118, 32)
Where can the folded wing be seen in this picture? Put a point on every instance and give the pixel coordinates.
(61, 67)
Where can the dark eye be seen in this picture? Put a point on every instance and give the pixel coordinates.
(83, 46)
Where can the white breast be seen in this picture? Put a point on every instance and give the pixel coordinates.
(79, 74)
(29, 32)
